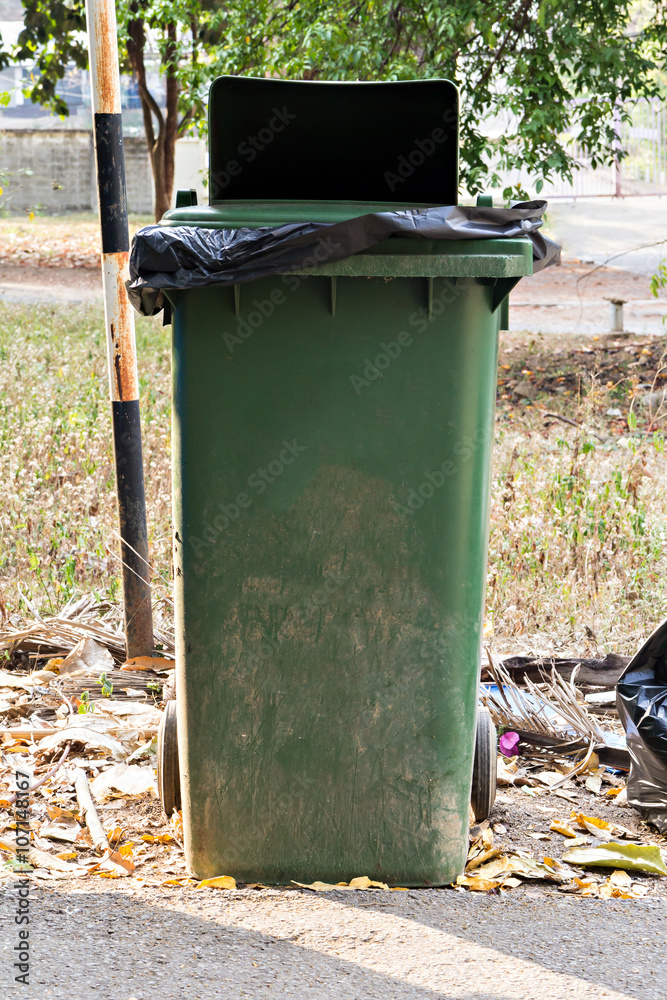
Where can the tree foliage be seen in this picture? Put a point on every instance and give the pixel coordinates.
(528, 70)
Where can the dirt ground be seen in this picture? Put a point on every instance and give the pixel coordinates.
(574, 298)
(31, 283)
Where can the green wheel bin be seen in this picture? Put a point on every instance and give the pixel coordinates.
(332, 438)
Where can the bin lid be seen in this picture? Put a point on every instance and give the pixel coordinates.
(393, 256)
(384, 142)
(251, 213)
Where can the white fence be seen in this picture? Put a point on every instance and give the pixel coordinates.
(641, 172)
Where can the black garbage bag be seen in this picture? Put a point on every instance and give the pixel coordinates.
(641, 699)
(193, 256)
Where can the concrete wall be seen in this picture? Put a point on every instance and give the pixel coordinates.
(54, 170)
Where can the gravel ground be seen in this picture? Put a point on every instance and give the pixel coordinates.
(122, 944)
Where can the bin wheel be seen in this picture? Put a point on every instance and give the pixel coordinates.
(168, 774)
(485, 768)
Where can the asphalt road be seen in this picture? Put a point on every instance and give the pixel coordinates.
(630, 233)
(119, 944)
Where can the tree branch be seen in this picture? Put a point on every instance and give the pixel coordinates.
(136, 41)
(515, 30)
(184, 122)
(396, 18)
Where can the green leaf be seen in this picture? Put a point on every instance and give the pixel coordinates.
(632, 857)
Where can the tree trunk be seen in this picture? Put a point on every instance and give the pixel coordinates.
(171, 120)
(163, 190)
(161, 144)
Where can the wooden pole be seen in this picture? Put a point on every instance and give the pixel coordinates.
(119, 322)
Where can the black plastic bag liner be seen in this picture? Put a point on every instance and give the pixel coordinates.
(641, 699)
(194, 256)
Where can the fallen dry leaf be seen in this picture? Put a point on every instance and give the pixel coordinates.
(113, 863)
(124, 779)
(549, 778)
(558, 826)
(480, 859)
(11, 680)
(183, 882)
(592, 824)
(86, 735)
(363, 882)
(137, 714)
(570, 796)
(44, 860)
(176, 822)
(501, 869)
(88, 658)
(219, 882)
(594, 783)
(149, 663)
(57, 812)
(506, 773)
(60, 831)
(360, 882)
(635, 857)
(478, 884)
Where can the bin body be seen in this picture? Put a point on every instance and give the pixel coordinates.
(332, 439)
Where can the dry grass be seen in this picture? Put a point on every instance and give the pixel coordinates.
(578, 517)
(57, 505)
(578, 525)
(71, 240)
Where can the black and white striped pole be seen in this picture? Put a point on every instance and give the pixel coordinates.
(119, 324)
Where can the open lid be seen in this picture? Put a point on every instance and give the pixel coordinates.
(321, 141)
